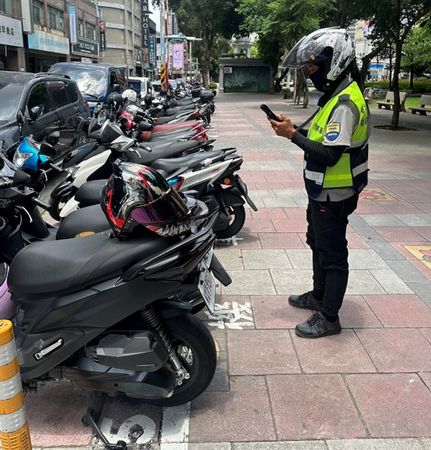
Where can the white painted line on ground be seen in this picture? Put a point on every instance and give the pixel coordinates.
(174, 434)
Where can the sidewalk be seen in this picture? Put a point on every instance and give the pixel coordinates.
(368, 387)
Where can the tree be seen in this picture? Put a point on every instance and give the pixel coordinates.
(417, 51)
(207, 20)
(279, 24)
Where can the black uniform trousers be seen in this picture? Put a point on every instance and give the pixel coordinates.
(326, 236)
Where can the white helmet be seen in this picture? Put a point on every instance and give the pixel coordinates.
(317, 46)
(130, 95)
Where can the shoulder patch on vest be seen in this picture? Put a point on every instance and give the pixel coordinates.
(332, 131)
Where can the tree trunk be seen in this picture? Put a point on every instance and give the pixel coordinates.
(278, 80)
(411, 77)
(366, 62)
(395, 83)
(391, 87)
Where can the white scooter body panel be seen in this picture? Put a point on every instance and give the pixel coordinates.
(89, 166)
(206, 175)
(69, 207)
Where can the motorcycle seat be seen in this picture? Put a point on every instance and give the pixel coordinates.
(89, 193)
(162, 150)
(73, 264)
(164, 120)
(170, 165)
(90, 219)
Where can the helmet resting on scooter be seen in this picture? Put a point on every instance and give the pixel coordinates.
(137, 195)
(129, 96)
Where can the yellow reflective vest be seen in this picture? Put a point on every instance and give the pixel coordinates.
(351, 169)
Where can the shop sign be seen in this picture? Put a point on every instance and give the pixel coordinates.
(10, 32)
(102, 36)
(85, 46)
(72, 25)
(152, 50)
(39, 40)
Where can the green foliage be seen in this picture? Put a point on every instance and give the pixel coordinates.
(421, 86)
(212, 85)
(417, 49)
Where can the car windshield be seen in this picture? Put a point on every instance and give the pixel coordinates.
(92, 82)
(11, 89)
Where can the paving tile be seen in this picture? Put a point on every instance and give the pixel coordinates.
(342, 353)
(425, 232)
(292, 281)
(281, 240)
(269, 213)
(355, 313)
(392, 405)
(365, 259)
(241, 415)
(231, 259)
(209, 446)
(300, 259)
(375, 444)
(313, 407)
(249, 282)
(422, 290)
(426, 443)
(54, 414)
(414, 220)
(399, 234)
(281, 445)
(265, 259)
(400, 310)
(427, 333)
(385, 250)
(355, 241)
(362, 282)
(220, 382)
(274, 312)
(260, 352)
(248, 241)
(279, 202)
(397, 350)
(426, 378)
(391, 282)
(382, 220)
(259, 226)
(408, 272)
(294, 213)
(290, 225)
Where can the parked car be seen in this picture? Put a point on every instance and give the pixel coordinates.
(141, 85)
(52, 106)
(95, 81)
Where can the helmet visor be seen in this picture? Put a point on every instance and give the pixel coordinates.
(166, 209)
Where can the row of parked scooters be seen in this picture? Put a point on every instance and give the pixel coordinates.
(107, 298)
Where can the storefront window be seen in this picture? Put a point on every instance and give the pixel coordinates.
(56, 18)
(38, 13)
(80, 28)
(6, 7)
(90, 31)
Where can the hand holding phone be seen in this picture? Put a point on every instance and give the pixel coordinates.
(269, 113)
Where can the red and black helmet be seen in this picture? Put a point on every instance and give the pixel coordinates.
(137, 195)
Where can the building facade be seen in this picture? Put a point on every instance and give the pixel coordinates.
(12, 53)
(123, 29)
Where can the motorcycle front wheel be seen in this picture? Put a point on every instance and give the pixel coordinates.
(196, 350)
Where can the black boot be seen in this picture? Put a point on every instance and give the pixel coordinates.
(317, 326)
(305, 301)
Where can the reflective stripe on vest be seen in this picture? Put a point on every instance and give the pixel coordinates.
(341, 174)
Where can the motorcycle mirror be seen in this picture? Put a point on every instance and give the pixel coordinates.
(35, 112)
(20, 117)
(20, 177)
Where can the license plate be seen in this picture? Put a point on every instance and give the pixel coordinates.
(206, 261)
(207, 288)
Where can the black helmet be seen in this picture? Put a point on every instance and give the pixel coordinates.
(138, 195)
(115, 100)
(144, 126)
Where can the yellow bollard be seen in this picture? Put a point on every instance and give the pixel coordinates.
(14, 431)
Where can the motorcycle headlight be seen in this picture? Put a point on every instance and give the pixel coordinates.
(19, 158)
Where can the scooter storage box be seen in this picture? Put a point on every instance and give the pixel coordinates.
(196, 93)
(207, 95)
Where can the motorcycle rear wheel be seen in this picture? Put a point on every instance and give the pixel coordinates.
(236, 222)
(190, 337)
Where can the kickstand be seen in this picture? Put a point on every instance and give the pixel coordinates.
(91, 418)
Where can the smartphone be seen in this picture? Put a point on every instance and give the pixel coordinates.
(269, 113)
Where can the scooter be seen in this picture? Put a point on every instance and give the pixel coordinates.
(116, 316)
